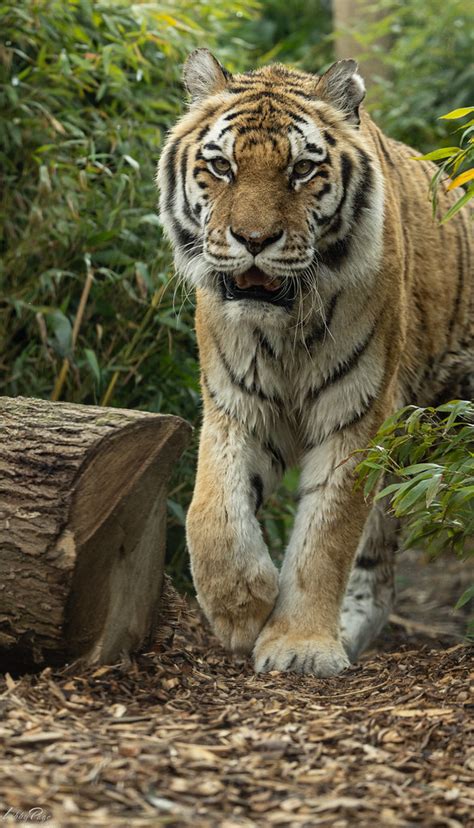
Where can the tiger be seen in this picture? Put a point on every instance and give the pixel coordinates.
(327, 297)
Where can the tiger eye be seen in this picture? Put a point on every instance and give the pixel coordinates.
(303, 167)
(220, 165)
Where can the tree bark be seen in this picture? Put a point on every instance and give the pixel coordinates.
(353, 17)
(82, 528)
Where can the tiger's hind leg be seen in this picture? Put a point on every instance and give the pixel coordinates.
(370, 591)
(451, 377)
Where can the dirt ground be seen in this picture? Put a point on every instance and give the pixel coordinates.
(185, 736)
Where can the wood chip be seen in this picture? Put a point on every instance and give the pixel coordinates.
(186, 736)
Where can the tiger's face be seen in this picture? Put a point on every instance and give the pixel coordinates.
(263, 181)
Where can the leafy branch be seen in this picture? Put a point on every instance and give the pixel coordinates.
(428, 454)
(454, 159)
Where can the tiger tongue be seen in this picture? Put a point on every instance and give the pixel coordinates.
(257, 278)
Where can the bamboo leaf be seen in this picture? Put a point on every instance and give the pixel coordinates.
(403, 504)
(393, 487)
(437, 155)
(459, 204)
(133, 163)
(93, 363)
(433, 488)
(457, 113)
(467, 596)
(461, 179)
(420, 467)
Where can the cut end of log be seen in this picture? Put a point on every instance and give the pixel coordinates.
(94, 534)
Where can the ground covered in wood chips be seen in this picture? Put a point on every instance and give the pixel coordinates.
(185, 736)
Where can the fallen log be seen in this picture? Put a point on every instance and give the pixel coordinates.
(82, 528)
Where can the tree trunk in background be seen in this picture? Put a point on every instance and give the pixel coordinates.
(358, 16)
(82, 528)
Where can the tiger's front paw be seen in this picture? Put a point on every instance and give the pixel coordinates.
(238, 613)
(296, 653)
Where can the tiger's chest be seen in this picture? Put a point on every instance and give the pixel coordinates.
(300, 384)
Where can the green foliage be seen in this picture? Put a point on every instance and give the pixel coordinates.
(429, 455)
(428, 57)
(297, 32)
(87, 91)
(458, 162)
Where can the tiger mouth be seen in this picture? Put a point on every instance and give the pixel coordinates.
(258, 286)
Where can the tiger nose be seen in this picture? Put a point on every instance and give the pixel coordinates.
(256, 242)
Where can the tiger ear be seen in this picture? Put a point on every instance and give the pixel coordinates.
(343, 87)
(203, 75)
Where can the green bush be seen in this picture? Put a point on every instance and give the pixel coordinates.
(428, 454)
(87, 91)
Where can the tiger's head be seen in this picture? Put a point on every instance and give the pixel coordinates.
(266, 185)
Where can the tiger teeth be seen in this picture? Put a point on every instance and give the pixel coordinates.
(275, 284)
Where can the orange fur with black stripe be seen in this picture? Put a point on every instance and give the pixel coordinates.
(327, 297)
